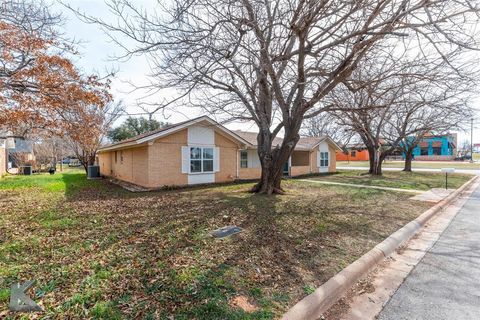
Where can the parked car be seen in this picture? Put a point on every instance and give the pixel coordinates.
(74, 163)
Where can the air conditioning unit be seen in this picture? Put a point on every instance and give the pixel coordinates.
(93, 172)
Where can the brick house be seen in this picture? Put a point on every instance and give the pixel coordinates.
(311, 155)
(201, 151)
(3, 157)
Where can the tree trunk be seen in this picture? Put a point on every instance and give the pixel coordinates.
(408, 161)
(271, 178)
(272, 161)
(377, 168)
(371, 159)
(376, 163)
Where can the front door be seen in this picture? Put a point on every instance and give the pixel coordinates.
(285, 169)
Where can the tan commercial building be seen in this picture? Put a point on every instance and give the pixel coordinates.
(202, 151)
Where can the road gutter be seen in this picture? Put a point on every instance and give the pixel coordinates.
(316, 304)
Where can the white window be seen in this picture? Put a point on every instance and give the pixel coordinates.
(201, 159)
(323, 159)
(243, 159)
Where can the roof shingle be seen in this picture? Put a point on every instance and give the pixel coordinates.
(305, 143)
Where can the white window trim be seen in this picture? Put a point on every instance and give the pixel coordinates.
(327, 158)
(244, 160)
(201, 159)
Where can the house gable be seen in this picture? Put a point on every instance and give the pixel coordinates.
(196, 137)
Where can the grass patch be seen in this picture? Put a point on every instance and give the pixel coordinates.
(308, 289)
(395, 179)
(105, 310)
(4, 295)
(51, 219)
(100, 252)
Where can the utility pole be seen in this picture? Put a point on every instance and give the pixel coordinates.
(471, 141)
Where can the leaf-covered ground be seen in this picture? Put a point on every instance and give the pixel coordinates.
(100, 252)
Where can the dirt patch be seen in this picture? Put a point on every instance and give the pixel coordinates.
(242, 303)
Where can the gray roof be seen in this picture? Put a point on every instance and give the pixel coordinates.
(305, 143)
(167, 130)
(20, 145)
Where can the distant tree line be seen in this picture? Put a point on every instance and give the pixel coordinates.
(134, 126)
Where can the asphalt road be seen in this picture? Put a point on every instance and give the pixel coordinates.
(467, 171)
(446, 283)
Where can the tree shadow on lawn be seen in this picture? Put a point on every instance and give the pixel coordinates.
(76, 182)
(288, 242)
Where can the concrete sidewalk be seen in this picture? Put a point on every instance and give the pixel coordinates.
(466, 171)
(446, 283)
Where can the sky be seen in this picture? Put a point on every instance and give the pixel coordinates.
(96, 56)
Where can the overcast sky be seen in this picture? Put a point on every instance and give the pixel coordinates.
(96, 57)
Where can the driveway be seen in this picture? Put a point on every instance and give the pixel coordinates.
(466, 171)
(446, 283)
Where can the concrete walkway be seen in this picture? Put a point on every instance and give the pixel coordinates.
(466, 171)
(446, 283)
(363, 186)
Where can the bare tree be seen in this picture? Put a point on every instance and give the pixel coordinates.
(274, 62)
(395, 102)
(22, 159)
(89, 128)
(326, 124)
(49, 149)
(429, 114)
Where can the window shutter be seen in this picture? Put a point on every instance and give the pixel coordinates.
(318, 158)
(216, 159)
(185, 160)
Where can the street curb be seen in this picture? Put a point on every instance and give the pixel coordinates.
(317, 303)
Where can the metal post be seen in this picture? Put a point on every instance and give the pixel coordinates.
(446, 180)
(471, 141)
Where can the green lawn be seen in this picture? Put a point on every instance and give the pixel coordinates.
(397, 179)
(415, 164)
(98, 251)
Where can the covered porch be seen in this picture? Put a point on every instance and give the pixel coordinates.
(299, 164)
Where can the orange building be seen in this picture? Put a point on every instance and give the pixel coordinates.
(353, 154)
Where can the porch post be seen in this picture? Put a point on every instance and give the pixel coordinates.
(290, 166)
